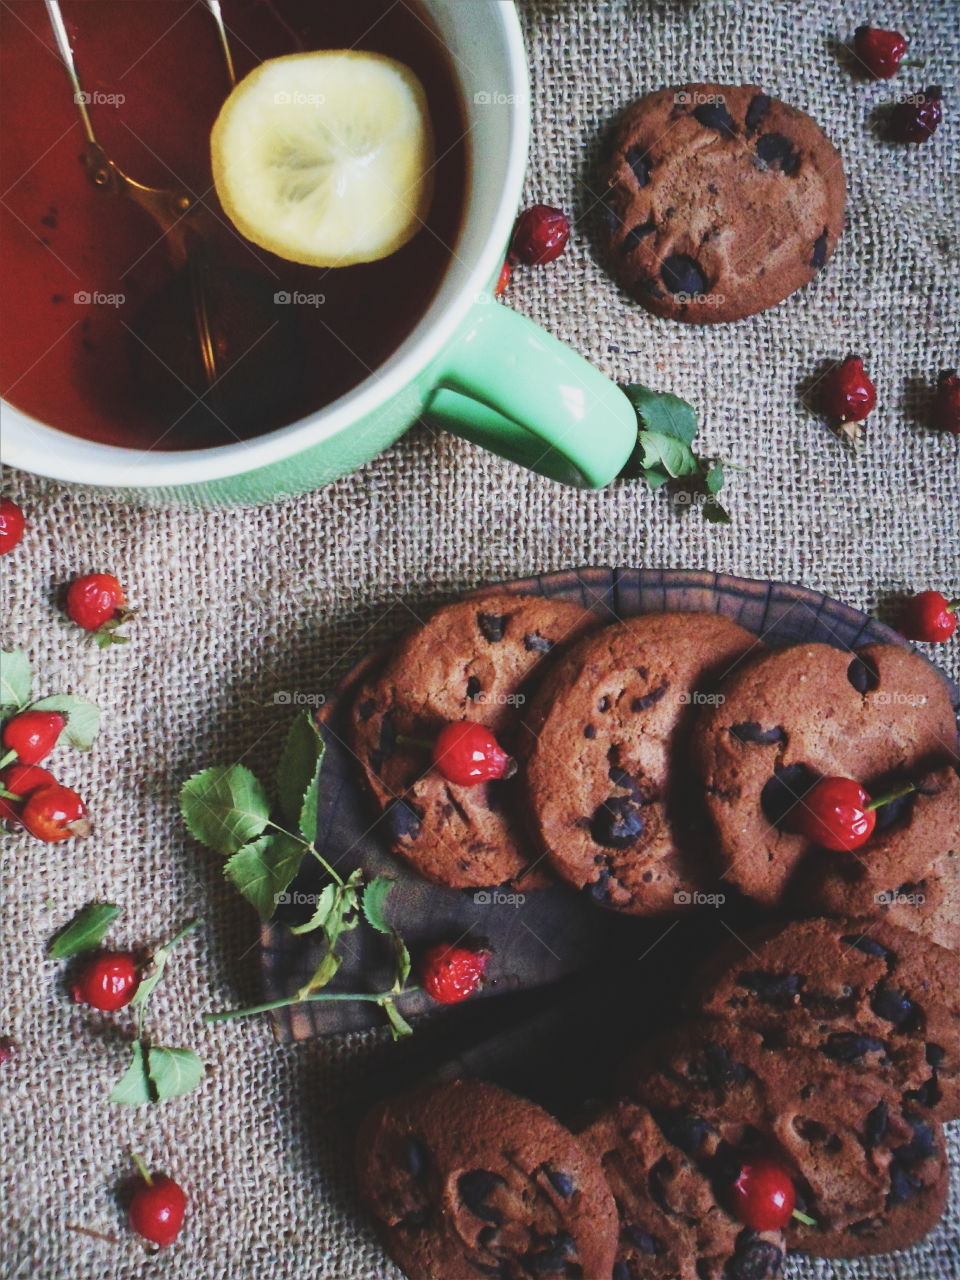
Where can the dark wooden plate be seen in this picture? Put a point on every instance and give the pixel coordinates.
(554, 934)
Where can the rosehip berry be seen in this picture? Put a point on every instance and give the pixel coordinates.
(157, 1208)
(541, 234)
(33, 734)
(449, 974)
(54, 813)
(95, 599)
(846, 394)
(945, 409)
(468, 753)
(763, 1196)
(12, 525)
(20, 780)
(836, 814)
(917, 118)
(107, 981)
(929, 616)
(506, 271)
(879, 51)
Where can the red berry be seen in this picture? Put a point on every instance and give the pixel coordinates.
(846, 394)
(33, 734)
(107, 981)
(95, 599)
(20, 780)
(929, 616)
(763, 1196)
(916, 118)
(12, 525)
(157, 1209)
(541, 234)
(468, 753)
(879, 51)
(945, 409)
(835, 814)
(54, 813)
(449, 974)
(506, 271)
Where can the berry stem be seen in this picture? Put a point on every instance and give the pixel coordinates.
(906, 789)
(953, 605)
(407, 741)
(380, 997)
(805, 1219)
(142, 1168)
(9, 795)
(8, 758)
(312, 849)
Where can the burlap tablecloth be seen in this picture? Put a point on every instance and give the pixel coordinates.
(239, 606)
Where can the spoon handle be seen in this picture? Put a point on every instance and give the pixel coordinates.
(66, 54)
(215, 10)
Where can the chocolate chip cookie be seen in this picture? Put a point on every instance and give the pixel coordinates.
(900, 880)
(794, 715)
(671, 1226)
(605, 762)
(720, 201)
(471, 661)
(859, 992)
(868, 1166)
(466, 1179)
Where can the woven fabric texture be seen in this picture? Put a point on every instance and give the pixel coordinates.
(240, 606)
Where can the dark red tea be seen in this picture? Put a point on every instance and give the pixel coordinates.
(86, 275)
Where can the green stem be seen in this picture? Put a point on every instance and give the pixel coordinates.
(406, 740)
(312, 849)
(7, 759)
(805, 1218)
(142, 1168)
(178, 937)
(381, 998)
(953, 605)
(9, 795)
(906, 789)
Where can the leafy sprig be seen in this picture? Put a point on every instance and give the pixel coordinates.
(16, 687)
(229, 810)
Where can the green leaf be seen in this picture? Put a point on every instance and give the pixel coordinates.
(86, 930)
(662, 413)
(673, 456)
(374, 900)
(133, 1087)
(263, 870)
(326, 903)
(298, 775)
(15, 678)
(158, 963)
(715, 513)
(402, 961)
(399, 1026)
(173, 1072)
(83, 718)
(324, 972)
(714, 478)
(655, 477)
(224, 807)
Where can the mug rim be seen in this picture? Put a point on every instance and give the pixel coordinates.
(30, 445)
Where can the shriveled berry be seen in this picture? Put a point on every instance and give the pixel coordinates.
(96, 601)
(54, 813)
(846, 394)
(33, 734)
(12, 525)
(879, 52)
(540, 235)
(763, 1196)
(157, 1209)
(945, 406)
(917, 117)
(467, 753)
(836, 814)
(506, 271)
(450, 974)
(929, 616)
(20, 780)
(107, 981)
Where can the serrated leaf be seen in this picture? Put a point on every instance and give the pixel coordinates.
(325, 971)
(715, 513)
(173, 1072)
(663, 413)
(714, 478)
(375, 897)
(224, 807)
(133, 1087)
(298, 775)
(86, 930)
(326, 902)
(83, 718)
(264, 869)
(655, 477)
(158, 963)
(661, 451)
(15, 678)
(399, 1026)
(402, 960)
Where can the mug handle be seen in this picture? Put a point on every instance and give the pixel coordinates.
(511, 387)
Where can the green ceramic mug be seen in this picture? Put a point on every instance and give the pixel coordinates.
(471, 364)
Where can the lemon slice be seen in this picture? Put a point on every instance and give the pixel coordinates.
(326, 158)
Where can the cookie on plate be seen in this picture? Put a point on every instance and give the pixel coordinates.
(471, 661)
(899, 880)
(465, 1179)
(808, 711)
(720, 201)
(605, 763)
(671, 1226)
(868, 1167)
(859, 992)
